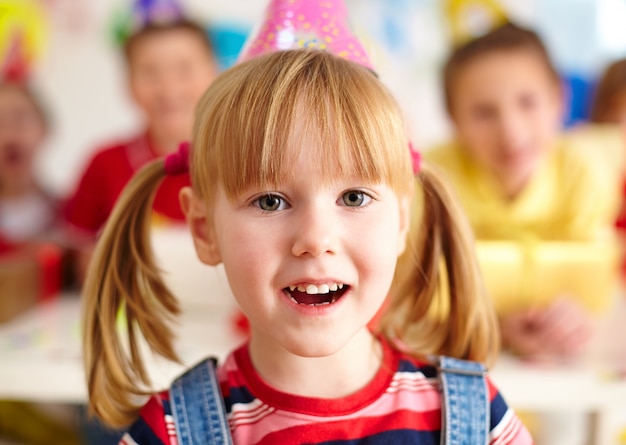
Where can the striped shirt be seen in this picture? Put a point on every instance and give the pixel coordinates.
(402, 404)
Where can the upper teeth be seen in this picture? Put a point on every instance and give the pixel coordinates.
(317, 289)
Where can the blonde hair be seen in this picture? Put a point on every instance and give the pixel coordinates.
(243, 122)
(438, 302)
(247, 118)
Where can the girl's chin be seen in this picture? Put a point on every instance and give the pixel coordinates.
(320, 348)
(324, 342)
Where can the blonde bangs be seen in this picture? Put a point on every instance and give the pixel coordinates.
(256, 118)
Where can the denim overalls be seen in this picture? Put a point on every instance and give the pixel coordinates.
(200, 416)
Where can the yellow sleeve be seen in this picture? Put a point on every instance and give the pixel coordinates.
(592, 191)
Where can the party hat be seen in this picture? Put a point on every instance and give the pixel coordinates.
(15, 66)
(144, 12)
(469, 19)
(157, 11)
(292, 24)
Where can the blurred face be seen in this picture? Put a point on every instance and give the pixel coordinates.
(169, 72)
(309, 263)
(22, 131)
(507, 111)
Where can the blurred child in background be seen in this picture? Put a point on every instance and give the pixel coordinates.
(169, 65)
(520, 182)
(542, 209)
(28, 218)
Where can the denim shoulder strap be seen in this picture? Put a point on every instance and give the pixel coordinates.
(465, 406)
(198, 407)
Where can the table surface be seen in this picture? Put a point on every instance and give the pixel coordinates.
(41, 356)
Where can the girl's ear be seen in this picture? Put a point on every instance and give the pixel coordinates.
(405, 223)
(200, 226)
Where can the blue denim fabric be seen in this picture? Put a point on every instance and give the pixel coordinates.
(198, 407)
(465, 410)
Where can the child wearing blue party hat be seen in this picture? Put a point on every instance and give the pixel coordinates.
(169, 63)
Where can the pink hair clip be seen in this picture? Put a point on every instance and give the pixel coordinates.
(177, 163)
(416, 158)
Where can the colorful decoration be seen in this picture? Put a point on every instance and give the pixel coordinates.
(469, 19)
(22, 37)
(322, 24)
(228, 37)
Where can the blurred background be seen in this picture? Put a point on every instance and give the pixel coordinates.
(78, 68)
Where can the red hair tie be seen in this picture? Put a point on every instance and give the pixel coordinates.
(177, 163)
(416, 158)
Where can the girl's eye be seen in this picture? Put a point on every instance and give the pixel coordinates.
(270, 203)
(355, 198)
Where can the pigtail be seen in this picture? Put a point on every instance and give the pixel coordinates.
(439, 304)
(125, 299)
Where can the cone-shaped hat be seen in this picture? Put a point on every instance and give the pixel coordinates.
(292, 24)
(15, 67)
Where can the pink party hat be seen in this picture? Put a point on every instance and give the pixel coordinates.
(321, 24)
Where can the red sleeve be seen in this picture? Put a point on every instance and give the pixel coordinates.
(98, 189)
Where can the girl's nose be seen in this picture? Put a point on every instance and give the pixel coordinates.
(315, 233)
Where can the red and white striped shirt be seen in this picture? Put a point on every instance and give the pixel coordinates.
(402, 404)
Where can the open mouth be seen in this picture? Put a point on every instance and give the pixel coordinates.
(316, 294)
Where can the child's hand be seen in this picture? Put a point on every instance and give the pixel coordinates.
(560, 330)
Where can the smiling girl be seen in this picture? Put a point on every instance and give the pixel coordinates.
(302, 182)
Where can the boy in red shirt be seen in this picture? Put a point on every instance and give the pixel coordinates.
(170, 64)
